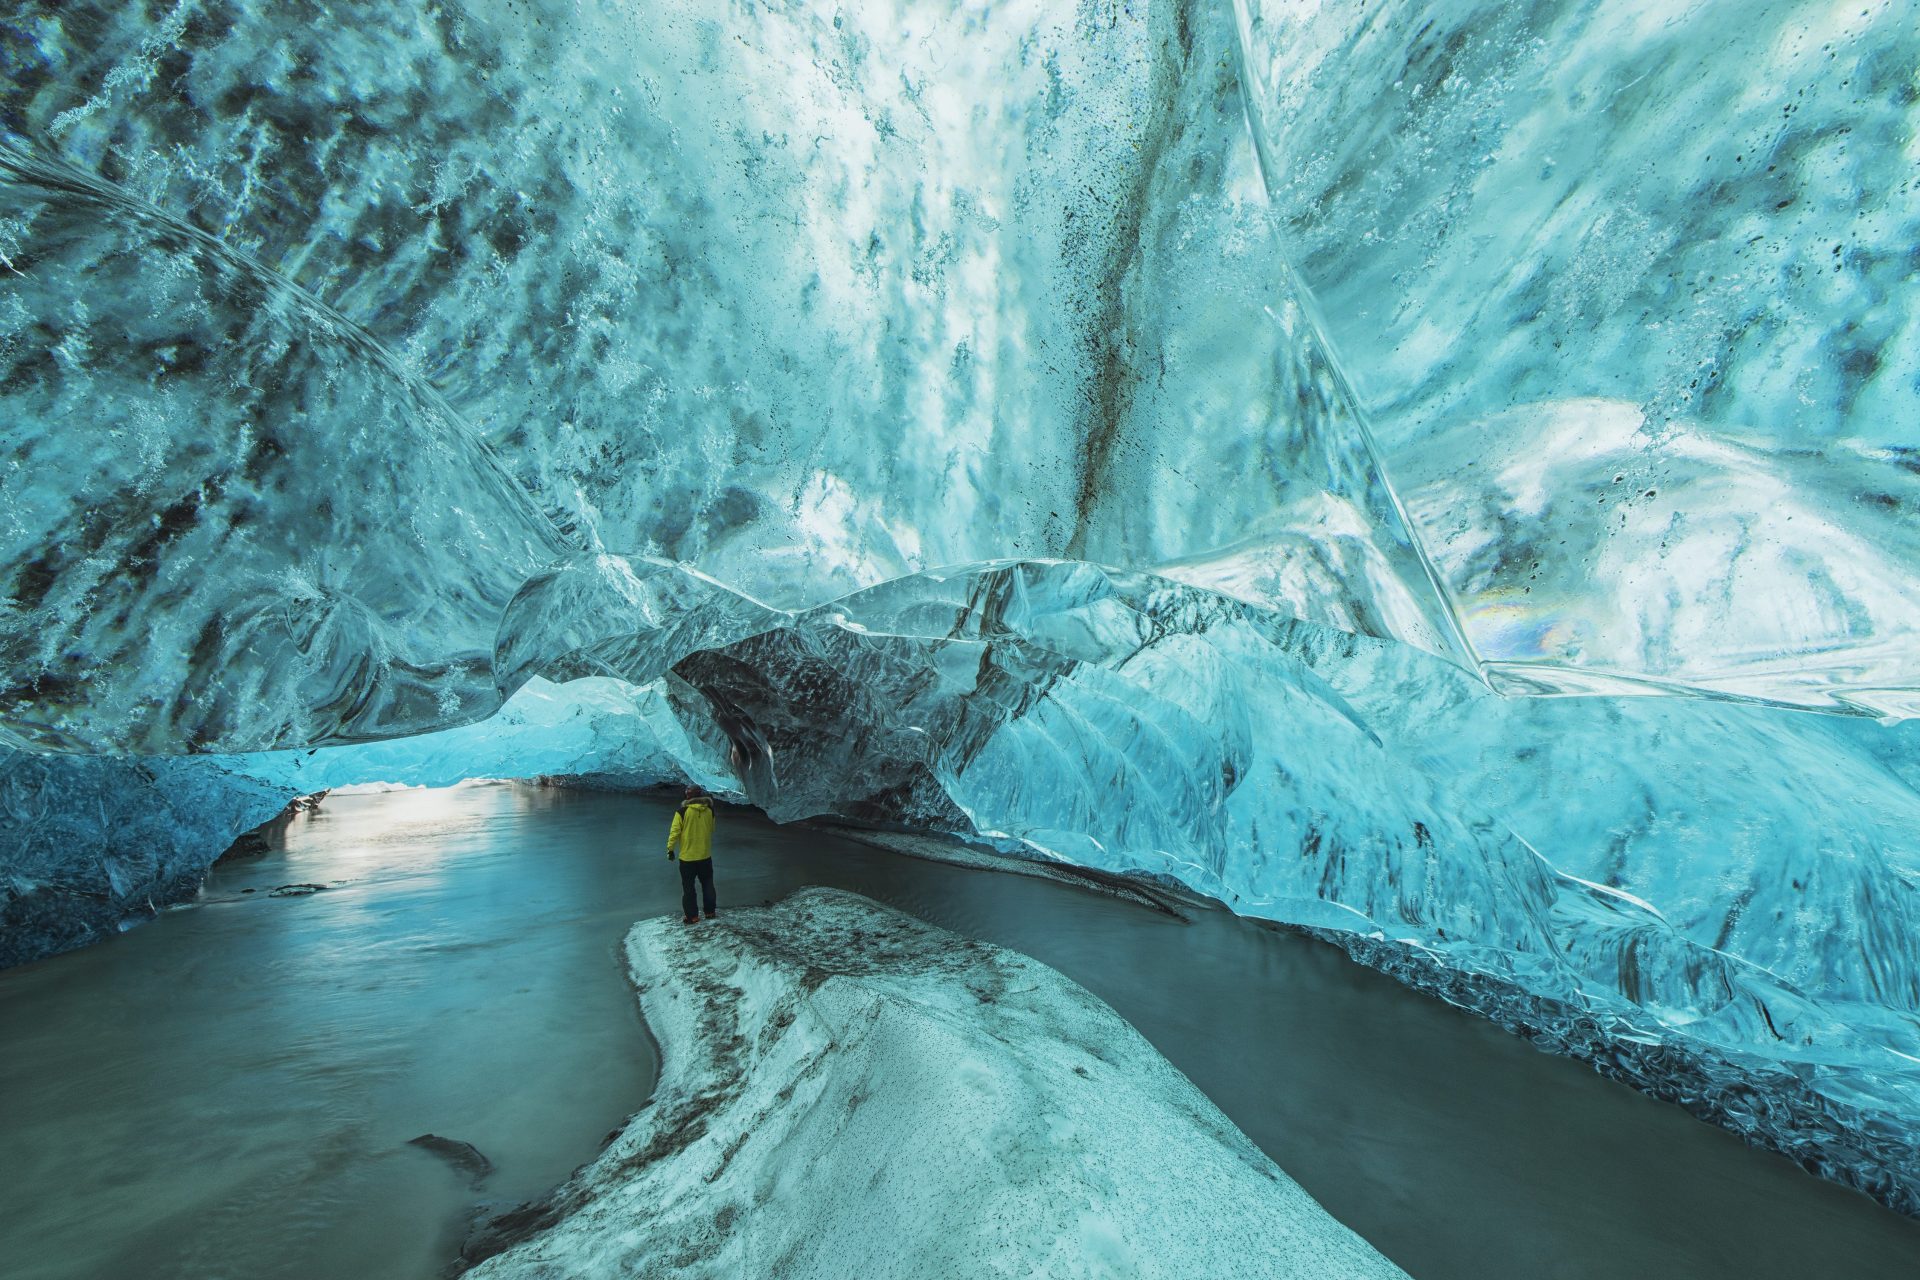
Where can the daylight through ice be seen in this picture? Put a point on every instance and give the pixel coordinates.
(1436, 474)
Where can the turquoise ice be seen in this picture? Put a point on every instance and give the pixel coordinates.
(1440, 474)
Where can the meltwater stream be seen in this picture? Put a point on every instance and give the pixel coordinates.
(229, 1091)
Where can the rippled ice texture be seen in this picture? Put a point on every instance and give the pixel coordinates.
(1308, 396)
(1628, 291)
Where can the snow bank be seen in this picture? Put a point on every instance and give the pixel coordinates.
(848, 1091)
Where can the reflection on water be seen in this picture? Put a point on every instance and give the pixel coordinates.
(229, 1091)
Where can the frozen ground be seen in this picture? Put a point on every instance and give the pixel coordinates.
(847, 1091)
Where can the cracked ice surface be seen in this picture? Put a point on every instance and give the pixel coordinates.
(848, 1091)
(958, 417)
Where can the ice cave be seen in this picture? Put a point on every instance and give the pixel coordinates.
(1304, 618)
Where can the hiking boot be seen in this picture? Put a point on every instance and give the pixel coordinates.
(709, 915)
(691, 920)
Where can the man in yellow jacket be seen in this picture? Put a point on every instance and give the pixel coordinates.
(692, 837)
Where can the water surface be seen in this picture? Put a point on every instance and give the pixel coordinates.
(229, 1090)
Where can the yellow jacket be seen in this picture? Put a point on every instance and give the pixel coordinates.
(692, 832)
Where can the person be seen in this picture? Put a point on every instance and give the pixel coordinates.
(692, 838)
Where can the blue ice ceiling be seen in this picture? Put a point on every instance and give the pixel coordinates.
(1442, 474)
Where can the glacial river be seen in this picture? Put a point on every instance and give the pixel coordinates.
(229, 1091)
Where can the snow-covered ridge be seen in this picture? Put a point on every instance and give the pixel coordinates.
(848, 1091)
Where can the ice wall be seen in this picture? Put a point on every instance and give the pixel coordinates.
(1195, 439)
(1733, 883)
(808, 299)
(88, 846)
(1627, 290)
(93, 845)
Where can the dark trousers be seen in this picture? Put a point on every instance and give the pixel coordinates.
(690, 872)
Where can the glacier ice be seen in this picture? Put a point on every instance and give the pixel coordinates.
(1437, 474)
(680, 340)
(89, 845)
(1628, 291)
(1645, 866)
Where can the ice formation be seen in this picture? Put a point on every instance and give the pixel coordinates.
(848, 1091)
(1628, 294)
(1439, 474)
